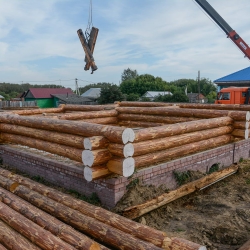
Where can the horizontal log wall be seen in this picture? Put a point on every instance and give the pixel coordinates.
(115, 147)
(110, 190)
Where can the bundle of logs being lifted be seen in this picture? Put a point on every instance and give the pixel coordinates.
(126, 136)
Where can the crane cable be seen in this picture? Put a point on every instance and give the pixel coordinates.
(90, 23)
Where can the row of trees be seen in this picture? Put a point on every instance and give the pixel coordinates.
(132, 88)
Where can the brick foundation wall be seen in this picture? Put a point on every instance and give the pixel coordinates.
(111, 190)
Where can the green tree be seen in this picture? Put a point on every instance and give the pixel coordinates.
(143, 83)
(110, 94)
(129, 74)
(163, 98)
(145, 99)
(132, 97)
(212, 96)
(179, 97)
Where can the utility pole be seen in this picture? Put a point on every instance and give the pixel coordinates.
(198, 86)
(77, 88)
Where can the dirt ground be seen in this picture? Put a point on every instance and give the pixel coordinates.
(218, 216)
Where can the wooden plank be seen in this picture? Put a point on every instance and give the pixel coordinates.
(138, 210)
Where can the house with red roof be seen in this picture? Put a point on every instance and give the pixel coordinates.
(45, 96)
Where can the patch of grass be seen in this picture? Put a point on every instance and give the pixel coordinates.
(38, 179)
(132, 183)
(241, 159)
(247, 181)
(214, 168)
(92, 199)
(182, 177)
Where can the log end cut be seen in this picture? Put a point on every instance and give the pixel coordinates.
(128, 135)
(124, 167)
(128, 150)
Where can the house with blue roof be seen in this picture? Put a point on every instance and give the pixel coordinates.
(240, 78)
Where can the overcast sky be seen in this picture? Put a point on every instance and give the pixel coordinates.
(172, 39)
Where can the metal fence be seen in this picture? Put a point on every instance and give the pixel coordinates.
(17, 104)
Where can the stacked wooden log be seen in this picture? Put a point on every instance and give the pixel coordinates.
(100, 117)
(25, 219)
(83, 142)
(103, 149)
(157, 116)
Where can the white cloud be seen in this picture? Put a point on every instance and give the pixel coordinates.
(169, 39)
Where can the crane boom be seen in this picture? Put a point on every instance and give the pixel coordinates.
(237, 40)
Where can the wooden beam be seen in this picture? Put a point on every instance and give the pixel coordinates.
(154, 118)
(122, 166)
(73, 107)
(241, 133)
(94, 173)
(149, 146)
(144, 104)
(39, 111)
(181, 128)
(103, 120)
(98, 230)
(54, 148)
(191, 148)
(140, 124)
(241, 124)
(112, 133)
(37, 235)
(13, 240)
(75, 141)
(239, 107)
(88, 54)
(88, 115)
(198, 113)
(44, 220)
(91, 44)
(95, 157)
(138, 210)
(139, 230)
(121, 150)
(95, 142)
